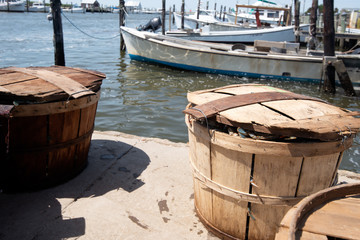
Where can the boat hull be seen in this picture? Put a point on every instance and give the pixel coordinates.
(18, 6)
(141, 46)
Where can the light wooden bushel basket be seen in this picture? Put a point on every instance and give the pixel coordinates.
(244, 187)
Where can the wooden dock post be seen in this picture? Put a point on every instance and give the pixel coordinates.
(182, 14)
(170, 19)
(344, 78)
(221, 10)
(207, 5)
(198, 13)
(224, 13)
(329, 46)
(27, 5)
(173, 18)
(163, 17)
(297, 21)
(313, 20)
(122, 22)
(58, 33)
(215, 9)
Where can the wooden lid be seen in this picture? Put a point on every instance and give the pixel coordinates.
(46, 84)
(272, 110)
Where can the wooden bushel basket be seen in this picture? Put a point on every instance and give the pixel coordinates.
(243, 186)
(46, 123)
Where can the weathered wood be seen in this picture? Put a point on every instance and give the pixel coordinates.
(48, 133)
(54, 107)
(211, 108)
(58, 33)
(163, 17)
(297, 20)
(313, 20)
(228, 171)
(321, 214)
(31, 87)
(329, 45)
(182, 14)
(71, 87)
(344, 78)
(122, 22)
(215, 9)
(198, 14)
(272, 111)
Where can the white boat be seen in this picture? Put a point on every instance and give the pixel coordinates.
(269, 16)
(229, 59)
(39, 7)
(74, 9)
(243, 36)
(191, 21)
(12, 5)
(213, 23)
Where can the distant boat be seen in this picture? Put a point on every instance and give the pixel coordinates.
(236, 59)
(268, 16)
(213, 23)
(191, 21)
(39, 7)
(242, 35)
(12, 5)
(74, 9)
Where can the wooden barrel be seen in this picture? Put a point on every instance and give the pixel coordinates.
(332, 213)
(46, 122)
(243, 186)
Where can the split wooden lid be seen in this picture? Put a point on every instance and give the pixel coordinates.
(47, 84)
(270, 110)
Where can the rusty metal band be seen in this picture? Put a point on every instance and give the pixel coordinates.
(52, 147)
(68, 85)
(242, 196)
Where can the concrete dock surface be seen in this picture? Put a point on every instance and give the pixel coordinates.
(132, 188)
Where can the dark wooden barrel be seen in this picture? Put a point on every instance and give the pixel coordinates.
(46, 122)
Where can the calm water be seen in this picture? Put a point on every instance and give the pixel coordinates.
(137, 98)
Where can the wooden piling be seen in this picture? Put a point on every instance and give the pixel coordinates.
(297, 21)
(344, 78)
(170, 19)
(27, 5)
(182, 14)
(313, 20)
(45, 6)
(58, 33)
(163, 17)
(173, 19)
(221, 9)
(329, 45)
(215, 10)
(224, 13)
(198, 13)
(122, 22)
(207, 5)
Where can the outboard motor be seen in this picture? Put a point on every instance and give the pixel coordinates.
(154, 24)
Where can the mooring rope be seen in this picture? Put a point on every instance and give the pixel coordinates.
(99, 38)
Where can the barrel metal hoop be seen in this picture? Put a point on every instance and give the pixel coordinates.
(52, 147)
(242, 196)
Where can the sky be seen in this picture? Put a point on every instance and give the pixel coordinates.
(192, 4)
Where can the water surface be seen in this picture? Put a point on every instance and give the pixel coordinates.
(137, 98)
